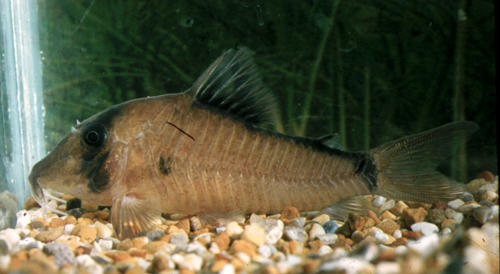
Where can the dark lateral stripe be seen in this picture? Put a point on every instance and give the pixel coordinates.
(366, 167)
(98, 175)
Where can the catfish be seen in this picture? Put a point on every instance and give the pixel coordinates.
(209, 150)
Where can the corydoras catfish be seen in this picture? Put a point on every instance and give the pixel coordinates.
(205, 151)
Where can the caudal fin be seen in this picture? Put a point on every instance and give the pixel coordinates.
(406, 168)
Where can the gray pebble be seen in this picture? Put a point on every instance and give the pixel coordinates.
(297, 222)
(436, 215)
(101, 259)
(62, 253)
(481, 214)
(378, 201)
(452, 214)
(295, 233)
(155, 235)
(486, 203)
(330, 226)
(467, 196)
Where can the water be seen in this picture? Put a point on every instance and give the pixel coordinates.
(21, 110)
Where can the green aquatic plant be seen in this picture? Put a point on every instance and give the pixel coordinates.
(367, 71)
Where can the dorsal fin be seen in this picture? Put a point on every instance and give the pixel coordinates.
(232, 85)
(331, 141)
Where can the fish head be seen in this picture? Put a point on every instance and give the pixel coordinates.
(83, 163)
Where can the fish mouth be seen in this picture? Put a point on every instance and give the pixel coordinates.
(36, 190)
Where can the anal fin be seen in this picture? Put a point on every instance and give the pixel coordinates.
(355, 204)
(131, 215)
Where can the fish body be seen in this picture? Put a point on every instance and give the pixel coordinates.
(203, 151)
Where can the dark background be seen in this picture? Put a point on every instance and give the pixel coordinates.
(368, 70)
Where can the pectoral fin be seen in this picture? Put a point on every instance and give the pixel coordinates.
(131, 215)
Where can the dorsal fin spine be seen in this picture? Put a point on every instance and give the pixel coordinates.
(232, 85)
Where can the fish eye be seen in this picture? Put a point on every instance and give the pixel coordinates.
(95, 136)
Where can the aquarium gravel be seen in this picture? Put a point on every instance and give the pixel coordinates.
(404, 237)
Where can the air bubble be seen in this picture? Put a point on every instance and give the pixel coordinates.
(186, 22)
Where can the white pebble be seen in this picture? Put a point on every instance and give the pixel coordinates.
(397, 234)
(425, 228)
(293, 260)
(339, 252)
(316, 231)
(220, 229)
(468, 207)
(378, 201)
(328, 239)
(295, 233)
(227, 269)
(196, 247)
(388, 268)
(387, 205)
(298, 222)
(243, 257)
(274, 232)
(142, 263)
(455, 204)
(214, 248)
(425, 245)
(94, 269)
(4, 262)
(370, 252)
(379, 235)
(283, 267)
(96, 249)
(324, 249)
(256, 219)
(489, 187)
(103, 231)
(265, 251)
(23, 219)
(401, 249)
(234, 229)
(10, 236)
(191, 261)
(68, 228)
(203, 238)
(452, 214)
(105, 244)
(254, 233)
(476, 260)
(29, 243)
(348, 265)
(494, 211)
(84, 260)
(446, 231)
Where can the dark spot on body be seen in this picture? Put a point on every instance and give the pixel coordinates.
(165, 165)
(73, 203)
(98, 175)
(366, 167)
